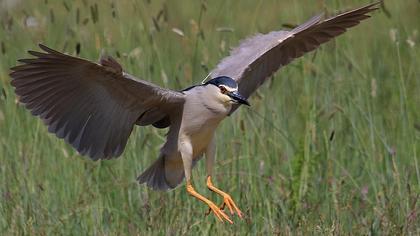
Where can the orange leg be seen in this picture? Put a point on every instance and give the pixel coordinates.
(213, 207)
(227, 199)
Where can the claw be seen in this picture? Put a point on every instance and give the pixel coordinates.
(222, 207)
(227, 199)
(212, 207)
(218, 212)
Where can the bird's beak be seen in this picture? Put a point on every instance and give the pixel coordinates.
(238, 98)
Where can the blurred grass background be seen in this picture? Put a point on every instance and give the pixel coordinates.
(331, 145)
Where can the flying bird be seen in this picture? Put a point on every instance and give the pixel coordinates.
(94, 106)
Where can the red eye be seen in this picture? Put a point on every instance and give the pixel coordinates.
(223, 90)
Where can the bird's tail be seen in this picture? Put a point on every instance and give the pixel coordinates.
(161, 176)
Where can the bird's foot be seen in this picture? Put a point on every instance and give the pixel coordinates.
(212, 206)
(218, 212)
(227, 199)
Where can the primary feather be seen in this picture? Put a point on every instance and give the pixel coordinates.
(92, 106)
(258, 57)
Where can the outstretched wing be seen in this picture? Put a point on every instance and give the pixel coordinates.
(92, 106)
(258, 57)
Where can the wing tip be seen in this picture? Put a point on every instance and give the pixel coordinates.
(313, 21)
(13, 69)
(370, 7)
(43, 47)
(49, 50)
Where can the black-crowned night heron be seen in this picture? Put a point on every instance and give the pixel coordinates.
(94, 107)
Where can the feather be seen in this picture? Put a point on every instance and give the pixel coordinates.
(259, 57)
(92, 106)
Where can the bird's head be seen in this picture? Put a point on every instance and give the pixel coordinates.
(227, 90)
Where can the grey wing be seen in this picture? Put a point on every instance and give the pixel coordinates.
(92, 106)
(258, 57)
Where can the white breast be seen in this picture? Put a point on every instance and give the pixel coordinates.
(201, 116)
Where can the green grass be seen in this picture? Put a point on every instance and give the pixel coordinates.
(331, 145)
